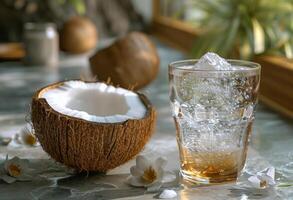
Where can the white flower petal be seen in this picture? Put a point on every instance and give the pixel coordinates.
(17, 139)
(135, 181)
(143, 165)
(22, 163)
(15, 159)
(142, 162)
(5, 140)
(169, 177)
(160, 174)
(259, 174)
(160, 162)
(154, 187)
(27, 136)
(254, 181)
(268, 179)
(271, 172)
(168, 194)
(7, 179)
(135, 171)
(264, 178)
(272, 182)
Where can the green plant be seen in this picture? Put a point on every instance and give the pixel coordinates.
(244, 28)
(78, 5)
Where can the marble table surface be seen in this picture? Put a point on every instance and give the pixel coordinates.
(271, 143)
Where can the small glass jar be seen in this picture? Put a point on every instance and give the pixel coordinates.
(41, 43)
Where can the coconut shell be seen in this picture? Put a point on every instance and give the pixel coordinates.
(89, 146)
(78, 35)
(130, 62)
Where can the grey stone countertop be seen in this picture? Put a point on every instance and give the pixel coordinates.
(271, 143)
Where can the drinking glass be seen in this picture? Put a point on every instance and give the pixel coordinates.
(213, 112)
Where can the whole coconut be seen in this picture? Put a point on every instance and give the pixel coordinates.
(78, 35)
(130, 62)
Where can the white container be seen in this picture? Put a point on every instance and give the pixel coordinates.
(41, 42)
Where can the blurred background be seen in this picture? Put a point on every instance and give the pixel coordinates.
(111, 18)
(61, 33)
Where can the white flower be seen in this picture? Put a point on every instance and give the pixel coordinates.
(27, 136)
(168, 194)
(15, 169)
(263, 179)
(147, 174)
(5, 140)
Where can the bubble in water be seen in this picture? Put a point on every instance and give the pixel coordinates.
(213, 107)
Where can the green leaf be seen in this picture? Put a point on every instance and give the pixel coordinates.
(61, 1)
(259, 36)
(79, 6)
(263, 26)
(285, 185)
(288, 50)
(231, 35)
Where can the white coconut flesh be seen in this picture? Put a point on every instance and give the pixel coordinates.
(95, 102)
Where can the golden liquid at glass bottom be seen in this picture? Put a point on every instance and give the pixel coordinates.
(211, 167)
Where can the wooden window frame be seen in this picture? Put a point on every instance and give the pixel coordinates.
(276, 88)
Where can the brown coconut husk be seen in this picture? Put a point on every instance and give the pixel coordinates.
(89, 146)
(130, 62)
(78, 35)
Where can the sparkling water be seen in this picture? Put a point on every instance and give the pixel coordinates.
(213, 107)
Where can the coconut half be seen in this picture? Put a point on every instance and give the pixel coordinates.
(131, 61)
(90, 125)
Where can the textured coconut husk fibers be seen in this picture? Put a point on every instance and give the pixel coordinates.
(85, 145)
(131, 62)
